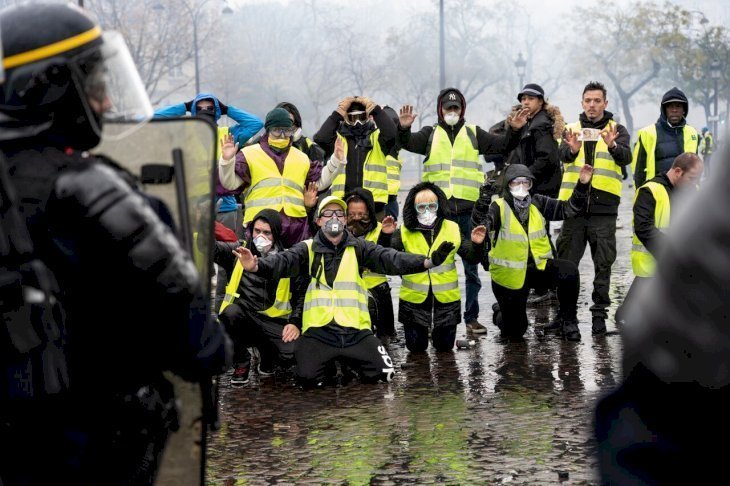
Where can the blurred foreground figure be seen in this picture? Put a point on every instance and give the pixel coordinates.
(134, 303)
(668, 421)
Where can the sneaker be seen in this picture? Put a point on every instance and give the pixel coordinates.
(240, 375)
(537, 298)
(599, 325)
(475, 327)
(570, 330)
(265, 371)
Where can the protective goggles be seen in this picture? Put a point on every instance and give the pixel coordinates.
(328, 213)
(431, 206)
(357, 117)
(521, 181)
(282, 132)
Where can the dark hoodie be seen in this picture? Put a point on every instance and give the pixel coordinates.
(367, 197)
(256, 293)
(443, 314)
(669, 141)
(601, 202)
(551, 209)
(487, 143)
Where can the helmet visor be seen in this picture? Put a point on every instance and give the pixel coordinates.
(113, 87)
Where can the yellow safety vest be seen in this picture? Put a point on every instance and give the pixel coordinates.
(607, 174)
(647, 139)
(508, 258)
(282, 301)
(456, 168)
(642, 262)
(270, 189)
(370, 278)
(443, 280)
(374, 172)
(394, 165)
(346, 302)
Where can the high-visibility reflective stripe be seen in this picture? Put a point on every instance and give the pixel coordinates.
(292, 184)
(568, 185)
(446, 267)
(347, 286)
(608, 173)
(466, 182)
(392, 163)
(437, 168)
(604, 156)
(640, 248)
(468, 164)
(272, 201)
(414, 286)
(507, 263)
(230, 297)
(393, 177)
(444, 286)
(507, 236)
(337, 187)
(282, 306)
(294, 200)
(375, 185)
(377, 168)
(537, 234)
(572, 168)
(442, 183)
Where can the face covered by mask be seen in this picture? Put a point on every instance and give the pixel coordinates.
(520, 187)
(451, 119)
(262, 244)
(207, 115)
(334, 227)
(358, 227)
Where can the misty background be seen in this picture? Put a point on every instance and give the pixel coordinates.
(256, 53)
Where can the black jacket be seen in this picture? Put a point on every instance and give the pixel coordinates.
(134, 303)
(644, 222)
(601, 202)
(448, 314)
(487, 143)
(358, 144)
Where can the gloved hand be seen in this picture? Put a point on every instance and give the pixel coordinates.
(439, 256)
(369, 104)
(224, 108)
(189, 106)
(344, 105)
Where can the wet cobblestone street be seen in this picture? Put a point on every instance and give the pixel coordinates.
(495, 413)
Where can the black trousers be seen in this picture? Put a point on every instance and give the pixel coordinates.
(380, 305)
(368, 357)
(250, 329)
(598, 231)
(442, 337)
(513, 302)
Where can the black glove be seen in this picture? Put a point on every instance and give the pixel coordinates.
(224, 108)
(189, 106)
(439, 256)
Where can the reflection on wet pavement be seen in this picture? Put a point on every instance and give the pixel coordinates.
(518, 412)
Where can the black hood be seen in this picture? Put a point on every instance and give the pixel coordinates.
(410, 217)
(513, 171)
(674, 94)
(272, 217)
(438, 103)
(294, 112)
(366, 196)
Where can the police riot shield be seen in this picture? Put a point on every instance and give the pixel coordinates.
(173, 162)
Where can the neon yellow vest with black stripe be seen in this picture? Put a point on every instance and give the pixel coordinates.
(642, 262)
(456, 168)
(394, 165)
(270, 189)
(443, 280)
(374, 172)
(373, 279)
(647, 139)
(345, 303)
(607, 174)
(282, 302)
(508, 258)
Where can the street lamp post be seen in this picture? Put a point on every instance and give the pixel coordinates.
(520, 64)
(715, 74)
(442, 47)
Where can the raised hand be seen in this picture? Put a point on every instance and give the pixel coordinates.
(571, 138)
(289, 333)
(518, 119)
(442, 252)
(586, 173)
(369, 104)
(344, 105)
(249, 261)
(310, 195)
(406, 117)
(389, 225)
(609, 135)
(340, 150)
(228, 148)
(478, 234)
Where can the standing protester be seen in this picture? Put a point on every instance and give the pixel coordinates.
(597, 140)
(394, 165)
(657, 145)
(367, 142)
(273, 174)
(361, 223)
(148, 312)
(336, 321)
(452, 149)
(522, 251)
(707, 147)
(652, 213)
(208, 107)
(256, 312)
(431, 300)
